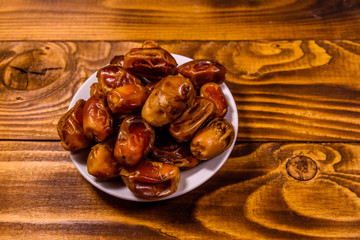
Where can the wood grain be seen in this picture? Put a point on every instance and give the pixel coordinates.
(179, 20)
(284, 90)
(251, 197)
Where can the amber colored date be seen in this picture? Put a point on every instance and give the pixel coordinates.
(150, 62)
(151, 179)
(97, 119)
(95, 90)
(192, 119)
(127, 99)
(202, 71)
(213, 92)
(168, 100)
(70, 129)
(213, 139)
(134, 141)
(114, 76)
(101, 162)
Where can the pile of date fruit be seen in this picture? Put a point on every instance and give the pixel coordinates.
(147, 119)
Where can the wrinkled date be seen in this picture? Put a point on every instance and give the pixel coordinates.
(101, 162)
(70, 129)
(194, 117)
(118, 60)
(167, 150)
(151, 179)
(134, 141)
(213, 139)
(114, 76)
(150, 62)
(213, 92)
(97, 119)
(127, 99)
(202, 71)
(95, 90)
(168, 100)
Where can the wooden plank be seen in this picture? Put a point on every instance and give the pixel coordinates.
(77, 230)
(179, 20)
(284, 90)
(251, 197)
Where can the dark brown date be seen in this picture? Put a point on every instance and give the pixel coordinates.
(101, 162)
(168, 100)
(127, 99)
(118, 60)
(202, 71)
(167, 150)
(150, 62)
(152, 180)
(134, 141)
(213, 139)
(70, 129)
(192, 119)
(114, 76)
(151, 85)
(213, 92)
(97, 119)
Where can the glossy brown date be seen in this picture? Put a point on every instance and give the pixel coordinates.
(134, 141)
(70, 129)
(101, 162)
(97, 119)
(213, 139)
(168, 100)
(150, 62)
(127, 99)
(167, 150)
(114, 76)
(152, 180)
(118, 60)
(95, 90)
(202, 71)
(194, 117)
(213, 92)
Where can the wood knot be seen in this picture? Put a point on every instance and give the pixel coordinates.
(34, 69)
(301, 168)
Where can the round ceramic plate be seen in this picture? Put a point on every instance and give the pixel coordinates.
(189, 180)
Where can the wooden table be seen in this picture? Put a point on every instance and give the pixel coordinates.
(293, 69)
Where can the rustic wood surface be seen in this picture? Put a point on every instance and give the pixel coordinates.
(179, 20)
(284, 90)
(293, 69)
(251, 197)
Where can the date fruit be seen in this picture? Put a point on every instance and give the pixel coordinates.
(97, 119)
(213, 92)
(213, 139)
(168, 100)
(202, 71)
(167, 150)
(127, 99)
(70, 129)
(101, 162)
(114, 76)
(134, 141)
(150, 62)
(152, 180)
(192, 119)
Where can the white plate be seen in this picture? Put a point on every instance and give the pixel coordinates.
(189, 180)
